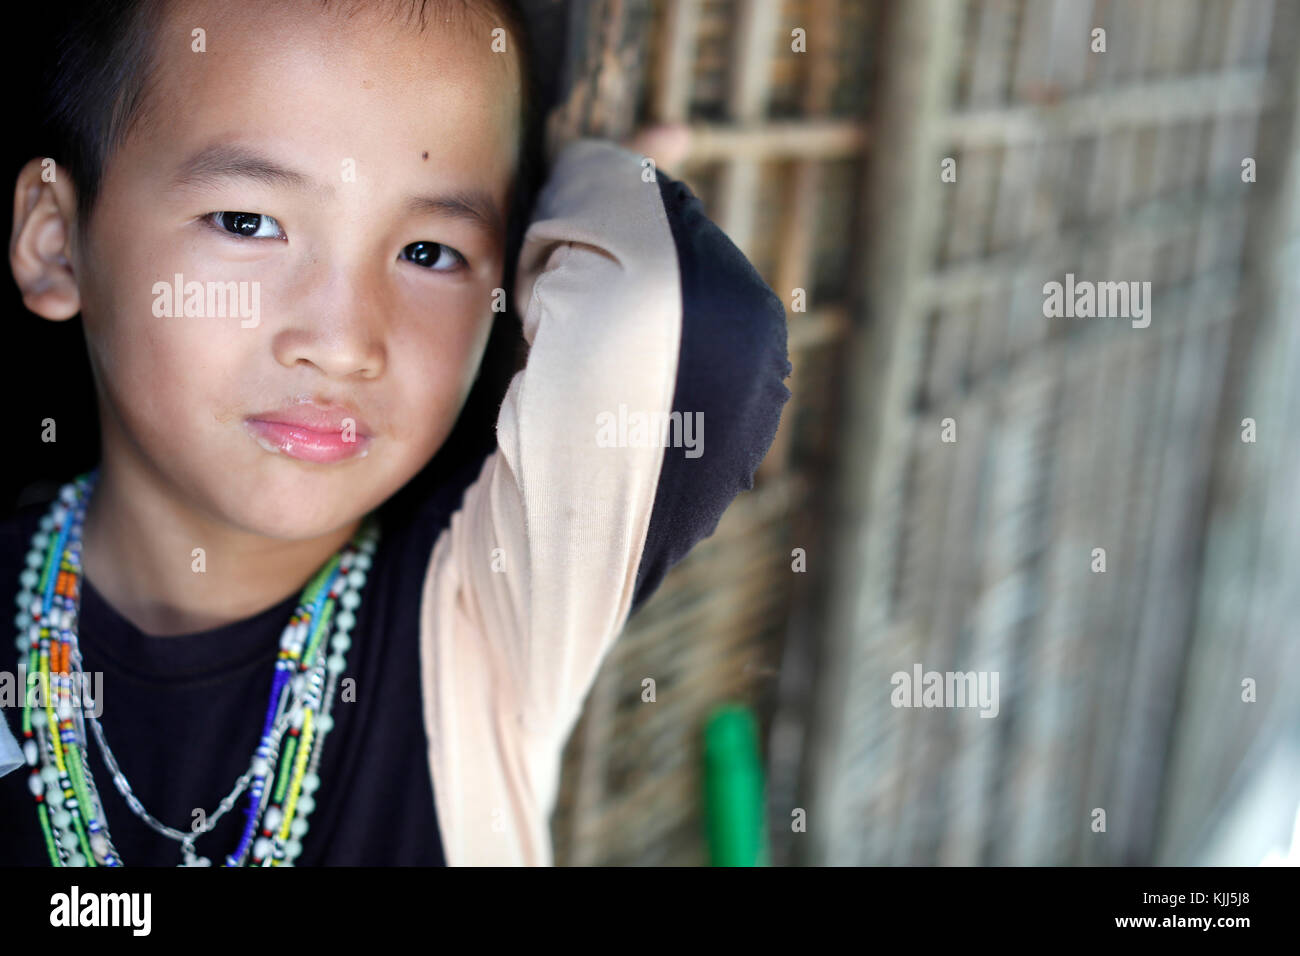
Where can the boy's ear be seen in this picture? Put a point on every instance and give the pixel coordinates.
(40, 249)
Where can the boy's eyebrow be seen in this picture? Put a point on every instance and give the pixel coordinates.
(472, 205)
(232, 161)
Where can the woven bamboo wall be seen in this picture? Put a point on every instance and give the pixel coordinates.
(926, 303)
(976, 555)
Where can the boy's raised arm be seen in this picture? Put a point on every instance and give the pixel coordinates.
(634, 306)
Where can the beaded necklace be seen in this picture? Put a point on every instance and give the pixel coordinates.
(282, 777)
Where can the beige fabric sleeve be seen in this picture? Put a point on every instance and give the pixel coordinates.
(533, 579)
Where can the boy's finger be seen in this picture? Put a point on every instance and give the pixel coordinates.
(668, 144)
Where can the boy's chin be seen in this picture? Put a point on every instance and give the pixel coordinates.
(308, 510)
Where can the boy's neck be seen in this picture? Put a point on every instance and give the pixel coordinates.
(138, 550)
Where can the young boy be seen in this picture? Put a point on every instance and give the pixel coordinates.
(347, 174)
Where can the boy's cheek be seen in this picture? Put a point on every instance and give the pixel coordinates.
(163, 348)
(164, 372)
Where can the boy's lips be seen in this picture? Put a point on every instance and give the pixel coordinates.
(311, 431)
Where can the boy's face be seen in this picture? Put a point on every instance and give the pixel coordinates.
(381, 156)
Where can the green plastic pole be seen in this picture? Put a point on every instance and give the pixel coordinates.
(735, 823)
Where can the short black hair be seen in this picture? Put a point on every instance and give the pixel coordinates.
(97, 86)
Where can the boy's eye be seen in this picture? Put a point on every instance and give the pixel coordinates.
(248, 225)
(434, 255)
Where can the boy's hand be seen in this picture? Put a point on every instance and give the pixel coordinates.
(668, 144)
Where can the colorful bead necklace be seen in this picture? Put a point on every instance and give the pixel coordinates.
(283, 776)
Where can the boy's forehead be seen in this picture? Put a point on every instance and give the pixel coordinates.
(363, 86)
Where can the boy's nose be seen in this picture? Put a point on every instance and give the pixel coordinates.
(339, 355)
(337, 330)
